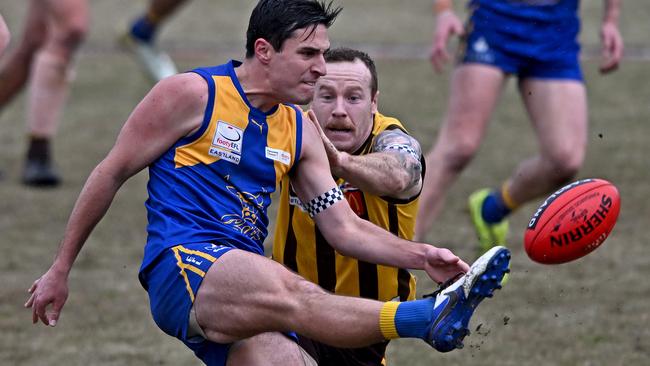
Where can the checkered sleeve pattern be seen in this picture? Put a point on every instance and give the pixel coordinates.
(404, 148)
(322, 202)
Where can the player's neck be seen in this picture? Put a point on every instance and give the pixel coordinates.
(254, 82)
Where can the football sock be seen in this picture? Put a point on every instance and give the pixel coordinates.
(410, 319)
(494, 208)
(144, 28)
(39, 149)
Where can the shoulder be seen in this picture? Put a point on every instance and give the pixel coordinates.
(176, 103)
(390, 134)
(180, 93)
(185, 85)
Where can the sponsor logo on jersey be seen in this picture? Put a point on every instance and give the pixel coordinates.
(227, 142)
(225, 155)
(295, 201)
(278, 155)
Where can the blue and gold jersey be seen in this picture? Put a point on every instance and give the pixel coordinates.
(215, 185)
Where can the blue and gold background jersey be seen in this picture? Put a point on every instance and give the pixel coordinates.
(215, 185)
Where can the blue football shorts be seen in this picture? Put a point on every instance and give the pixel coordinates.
(172, 282)
(522, 51)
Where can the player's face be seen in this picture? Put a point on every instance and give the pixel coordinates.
(344, 105)
(296, 68)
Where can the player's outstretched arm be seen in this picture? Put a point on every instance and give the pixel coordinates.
(173, 109)
(353, 236)
(393, 168)
(610, 37)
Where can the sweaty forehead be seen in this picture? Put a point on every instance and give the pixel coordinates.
(347, 73)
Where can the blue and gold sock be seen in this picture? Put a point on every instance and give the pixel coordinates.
(410, 319)
(497, 205)
(145, 27)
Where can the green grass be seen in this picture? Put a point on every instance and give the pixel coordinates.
(590, 312)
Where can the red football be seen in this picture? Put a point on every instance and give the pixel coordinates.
(572, 222)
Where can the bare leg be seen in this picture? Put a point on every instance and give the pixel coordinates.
(16, 67)
(244, 294)
(140, 39)
(475, 90)
(262, 350)
(558, 110)
(162, 9)
(4, 35)
(67, 22)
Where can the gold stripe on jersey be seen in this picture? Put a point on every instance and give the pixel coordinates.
(228, 106)
(282, 137)
(300, 246)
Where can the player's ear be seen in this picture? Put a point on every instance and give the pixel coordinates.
(263, 50)
(374, 101)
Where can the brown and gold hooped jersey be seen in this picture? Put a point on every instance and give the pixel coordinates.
(300, 245)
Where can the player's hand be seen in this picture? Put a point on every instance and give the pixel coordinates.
(49, 289)
(336, 158)
(447, 24)
(441, 264)
(612, 47)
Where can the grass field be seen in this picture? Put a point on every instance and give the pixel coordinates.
(590, 312)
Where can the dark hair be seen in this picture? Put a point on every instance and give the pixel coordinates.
(343, 54)
(276, 20)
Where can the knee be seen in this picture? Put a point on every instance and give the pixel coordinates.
(68, 37)
(298, 286)
(459, 154)
(299, 292)
(564, 167)
(74, 34)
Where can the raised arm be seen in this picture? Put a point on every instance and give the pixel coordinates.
(172, 109)
(353, 236)
(393, 168)
(610, 37)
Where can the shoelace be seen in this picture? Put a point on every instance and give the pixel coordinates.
(444, 285)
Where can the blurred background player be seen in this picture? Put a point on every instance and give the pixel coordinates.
(53, 31)
(537, 42)
(4, 35)
(140, 39)
(4, 41)
(379, 170)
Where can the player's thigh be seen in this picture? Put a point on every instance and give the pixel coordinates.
(558, 111)
(244, 294)
(271, 348)
(474, 92)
